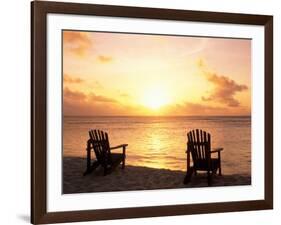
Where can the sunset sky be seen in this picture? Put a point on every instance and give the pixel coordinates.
(110, 74)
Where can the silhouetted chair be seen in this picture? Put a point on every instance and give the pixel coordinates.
(199, 147)
(100, 144)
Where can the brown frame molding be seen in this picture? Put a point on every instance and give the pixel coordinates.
(39, 11)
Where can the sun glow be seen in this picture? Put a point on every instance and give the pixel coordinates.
(122, 74)
(155, 98)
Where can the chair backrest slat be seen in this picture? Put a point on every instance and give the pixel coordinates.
(100, 145)
(199, 144)
(202, 146)
(91, 134)
(205, 141)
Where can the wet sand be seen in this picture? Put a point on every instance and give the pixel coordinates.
(136, 178)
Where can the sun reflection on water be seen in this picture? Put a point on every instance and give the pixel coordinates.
(160, 142)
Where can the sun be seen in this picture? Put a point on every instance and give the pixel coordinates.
(155, 98)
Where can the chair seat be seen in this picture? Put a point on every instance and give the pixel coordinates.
(116, 158)
(202, 164)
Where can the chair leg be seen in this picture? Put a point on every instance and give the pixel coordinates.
(215, 171)
(123, 164)
(124, 157)
(188, 175)
(209, 178)
(105, 171)
(219, 156)
(195, 172)
(88, 169)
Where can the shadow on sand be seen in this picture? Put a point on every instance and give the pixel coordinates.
(135, 178)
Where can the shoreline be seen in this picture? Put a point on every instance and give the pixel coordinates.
(136, 178)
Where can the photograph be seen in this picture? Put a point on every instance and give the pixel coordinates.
(143, 112)
(154, 111)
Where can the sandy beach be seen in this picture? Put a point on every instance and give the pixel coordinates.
(135, 178)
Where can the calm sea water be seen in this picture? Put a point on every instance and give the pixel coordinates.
(160, 142)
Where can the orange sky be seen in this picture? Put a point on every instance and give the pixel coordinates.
(128, 74)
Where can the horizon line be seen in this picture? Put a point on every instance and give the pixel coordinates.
(157, 116)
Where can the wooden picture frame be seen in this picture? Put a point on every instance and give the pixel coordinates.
(39, 12)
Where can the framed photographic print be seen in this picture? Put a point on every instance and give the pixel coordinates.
(143, 112)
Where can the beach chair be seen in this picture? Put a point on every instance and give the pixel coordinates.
(99, 143)
(199, 147)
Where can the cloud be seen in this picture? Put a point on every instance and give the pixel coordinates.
(100, 98)
(224, 88)
(105, 59)
(79, 103)
(124, 95)
(200, 109)
(95, 84)
(191, 109)
(76, 42)
(73, 95)
(69, 94)
(70, 79)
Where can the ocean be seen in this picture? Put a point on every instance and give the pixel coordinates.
(160, 142)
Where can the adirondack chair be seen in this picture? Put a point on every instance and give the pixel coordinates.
(199, 147)
(100, 144)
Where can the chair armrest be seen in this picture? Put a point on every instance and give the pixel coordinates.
(216, 150)
(119, 146)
